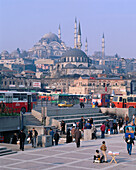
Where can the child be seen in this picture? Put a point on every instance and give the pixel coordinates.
(103, 149)
(97, 157)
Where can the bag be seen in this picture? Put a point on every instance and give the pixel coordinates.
(18, 142)
(28, 139)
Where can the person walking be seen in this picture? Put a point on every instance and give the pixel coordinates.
(107, 126)
(34, 136)
(94, 130)
(56, 137)
(29, 137)
(133, 119)
(22, 137)
(111, 127)
(77, 137)
(52, 135)
(102, 128)
(126, 119)
(103, 149)
(81, 123)
(73, 133)
(68, 137)
(14, 139)
(62, 127)
(129, 142)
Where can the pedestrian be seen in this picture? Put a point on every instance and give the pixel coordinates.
(22, 137)
(34, 136)
(102, 128)
(62, 127)
(133, 118)
(94, 130)
(91, 120)
(14, 139)
(56, 137)
(77, 137)
(103, 149)
(52, 135)
(29, 137)
(96, 104)
(88, 125)
(73, 133)
(81, 123)
(68, 137)
(126, 119)
(107, 126)
(82, 105)
(111, 126)
(115, 131)
(129, 142)
(120, 123)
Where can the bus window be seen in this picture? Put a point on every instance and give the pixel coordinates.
(16, 97)
(130, 99)
(115, 99)
(8, 99)
(120, 99)
(134, 99)
(23, 97)
(2, 97)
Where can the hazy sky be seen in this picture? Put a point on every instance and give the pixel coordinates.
(24, 22)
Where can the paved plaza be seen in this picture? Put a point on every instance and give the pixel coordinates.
(68, 157)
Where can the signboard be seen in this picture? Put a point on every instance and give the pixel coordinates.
(21, 86)
(12, 85)
(37, 84)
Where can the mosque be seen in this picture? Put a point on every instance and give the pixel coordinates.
(74, 61)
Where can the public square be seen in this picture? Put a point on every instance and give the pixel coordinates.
(68, 157)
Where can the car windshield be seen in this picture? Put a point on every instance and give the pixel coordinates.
(63, 103)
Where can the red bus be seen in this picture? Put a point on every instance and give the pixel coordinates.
(124, 101)
(13, 101)
(102, 99)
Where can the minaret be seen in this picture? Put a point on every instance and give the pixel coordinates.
(103, 47)
(79, 44)
(59, 32)
(75, 34)
(86, 47)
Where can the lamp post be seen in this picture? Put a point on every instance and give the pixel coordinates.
(22, 120)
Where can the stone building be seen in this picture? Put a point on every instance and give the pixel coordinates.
(101, 85)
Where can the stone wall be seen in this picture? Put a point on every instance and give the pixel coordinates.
(121, 112)
(9, 123)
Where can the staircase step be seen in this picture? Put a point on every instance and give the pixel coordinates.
(2, 148)
(77, 116)
(5, 150)
(7, 153)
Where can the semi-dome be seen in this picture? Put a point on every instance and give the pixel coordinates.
(74, 53)
(70, 66)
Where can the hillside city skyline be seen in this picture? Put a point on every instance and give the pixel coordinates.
(114, 19)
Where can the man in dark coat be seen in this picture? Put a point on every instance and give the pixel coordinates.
(81, 123)
(22, 137)
(63, 127)
(56, 138)
(14, 139)
(77, 137)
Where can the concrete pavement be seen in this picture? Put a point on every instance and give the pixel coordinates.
(68, 157)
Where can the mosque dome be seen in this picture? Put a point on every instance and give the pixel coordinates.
(74, 53)
(50, 37)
